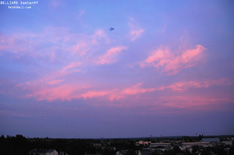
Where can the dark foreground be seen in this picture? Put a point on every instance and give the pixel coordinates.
(19, 145)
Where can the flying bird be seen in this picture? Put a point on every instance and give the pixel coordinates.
(111, 29)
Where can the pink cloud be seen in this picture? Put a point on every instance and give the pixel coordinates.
(54, 90)
(167, 61)
(87, 43)
(135, 30)
(53, 79)
(100, 35)
(182, 86)
(64, 45)
(18, 43)
(31, 44)
(136, 34)
(194, 102)
(110, 56)
(71, 65)
(81, 48)
(186, 103)
(6, 42)
(56, 77)
(93, 94)
(54, 82)
(117, 94)
(136, 89)
(70, 68)
(51, 93)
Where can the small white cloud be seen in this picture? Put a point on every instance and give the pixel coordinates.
(135, 30)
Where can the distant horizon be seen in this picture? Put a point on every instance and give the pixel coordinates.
(153, 137)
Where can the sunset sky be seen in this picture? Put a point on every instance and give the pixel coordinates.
(167, 68)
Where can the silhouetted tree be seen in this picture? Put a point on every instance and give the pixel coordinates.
(131, 152)
(187, 152)
(205, 152)
(231, 151)
(219, 150)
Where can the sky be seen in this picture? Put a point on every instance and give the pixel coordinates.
(166, 68)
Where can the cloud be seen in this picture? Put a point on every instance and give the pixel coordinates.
(53, 79)
(110, 56)
(18, 43)
(88, 43)
(136, 34)
(54, 44)
(56, 3)
(70, 68)
(54, 82)
(53, 89)
(93, 94)
(168, 61)
(194, 102)
(182, 86)
(80, 48)
(81, 13)
(100, 35)
(129, 91)
(135, 30)
(69, 91)
(136, 89)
